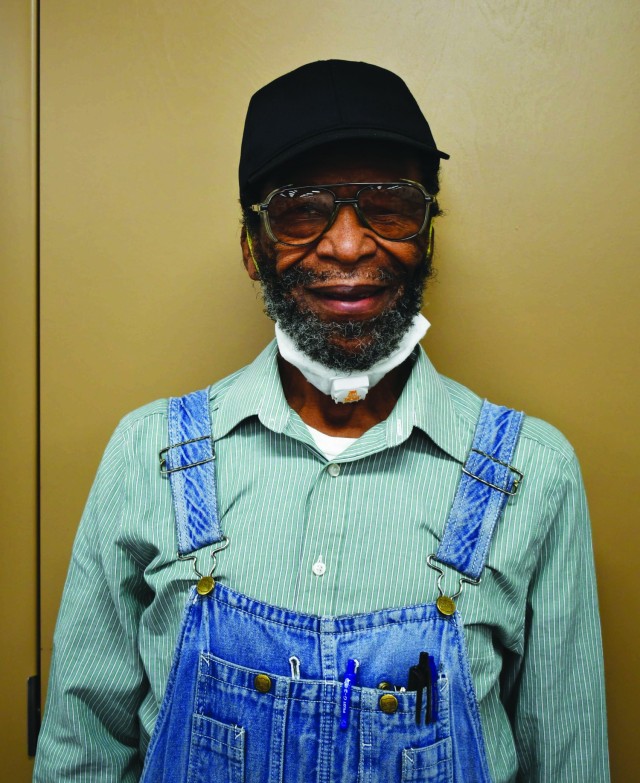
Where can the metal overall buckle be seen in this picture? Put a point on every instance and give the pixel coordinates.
(517, 474)
(206, 582)
(164, 470)
(446, 603)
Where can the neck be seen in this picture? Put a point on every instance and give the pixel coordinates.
(350, 386)
(350, 420)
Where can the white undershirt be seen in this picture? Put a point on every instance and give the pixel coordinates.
(330, 445)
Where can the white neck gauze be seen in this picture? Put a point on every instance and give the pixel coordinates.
(352, 386)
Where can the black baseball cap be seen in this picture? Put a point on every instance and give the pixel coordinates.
(324, 101)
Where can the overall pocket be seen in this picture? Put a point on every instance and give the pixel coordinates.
(238, 723)
(216, 752)
(432, 764)
(395, 747)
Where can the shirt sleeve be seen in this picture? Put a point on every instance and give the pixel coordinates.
(557, 700)
(90, 728)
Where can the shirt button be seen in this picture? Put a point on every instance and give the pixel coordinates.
(319, 567)
(334, 470)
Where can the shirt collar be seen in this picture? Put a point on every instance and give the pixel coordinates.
(424, 403)
(253, 391)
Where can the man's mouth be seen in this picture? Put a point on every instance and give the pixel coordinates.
(350, 300)
(350, 293)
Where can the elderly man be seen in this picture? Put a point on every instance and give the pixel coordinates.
(385, 578)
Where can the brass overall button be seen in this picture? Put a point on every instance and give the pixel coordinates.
(205, 585)
(446, 605)
(388, 703)
(262, 683)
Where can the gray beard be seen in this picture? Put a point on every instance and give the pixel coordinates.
(372, 340)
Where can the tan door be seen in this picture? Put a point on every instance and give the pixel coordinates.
(143, 293)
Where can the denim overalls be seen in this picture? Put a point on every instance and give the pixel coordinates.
(258, 693)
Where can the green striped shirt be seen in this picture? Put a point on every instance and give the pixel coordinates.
(373, 515)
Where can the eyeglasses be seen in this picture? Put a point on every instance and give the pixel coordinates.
(300, 215)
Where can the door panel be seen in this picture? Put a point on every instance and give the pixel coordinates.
(18, 381)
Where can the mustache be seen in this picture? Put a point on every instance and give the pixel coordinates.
(295, 277)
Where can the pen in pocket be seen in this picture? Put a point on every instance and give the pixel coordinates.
(347, 685)
(423, 679)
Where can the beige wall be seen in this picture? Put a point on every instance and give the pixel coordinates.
(143, 293)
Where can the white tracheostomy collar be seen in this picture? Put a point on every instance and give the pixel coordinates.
(350, 387)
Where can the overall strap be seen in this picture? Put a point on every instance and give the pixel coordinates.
(487, 481)
(189, 462)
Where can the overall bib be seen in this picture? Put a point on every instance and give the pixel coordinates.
(261, 694)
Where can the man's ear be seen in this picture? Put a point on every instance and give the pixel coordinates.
(250, 263)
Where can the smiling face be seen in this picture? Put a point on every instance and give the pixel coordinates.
(348, 298)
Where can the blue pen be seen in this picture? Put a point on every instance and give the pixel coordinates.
(347, 685)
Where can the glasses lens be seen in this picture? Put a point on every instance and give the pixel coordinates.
(300, 215)
(393, 211)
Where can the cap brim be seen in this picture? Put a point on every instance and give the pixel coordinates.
(340, 134)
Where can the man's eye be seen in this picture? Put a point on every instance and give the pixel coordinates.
(305, 210)
(389, 217)
(387, 211)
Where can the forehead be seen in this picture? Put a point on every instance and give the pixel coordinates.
(348, 162)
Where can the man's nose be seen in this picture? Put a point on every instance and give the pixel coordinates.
(348, 240)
